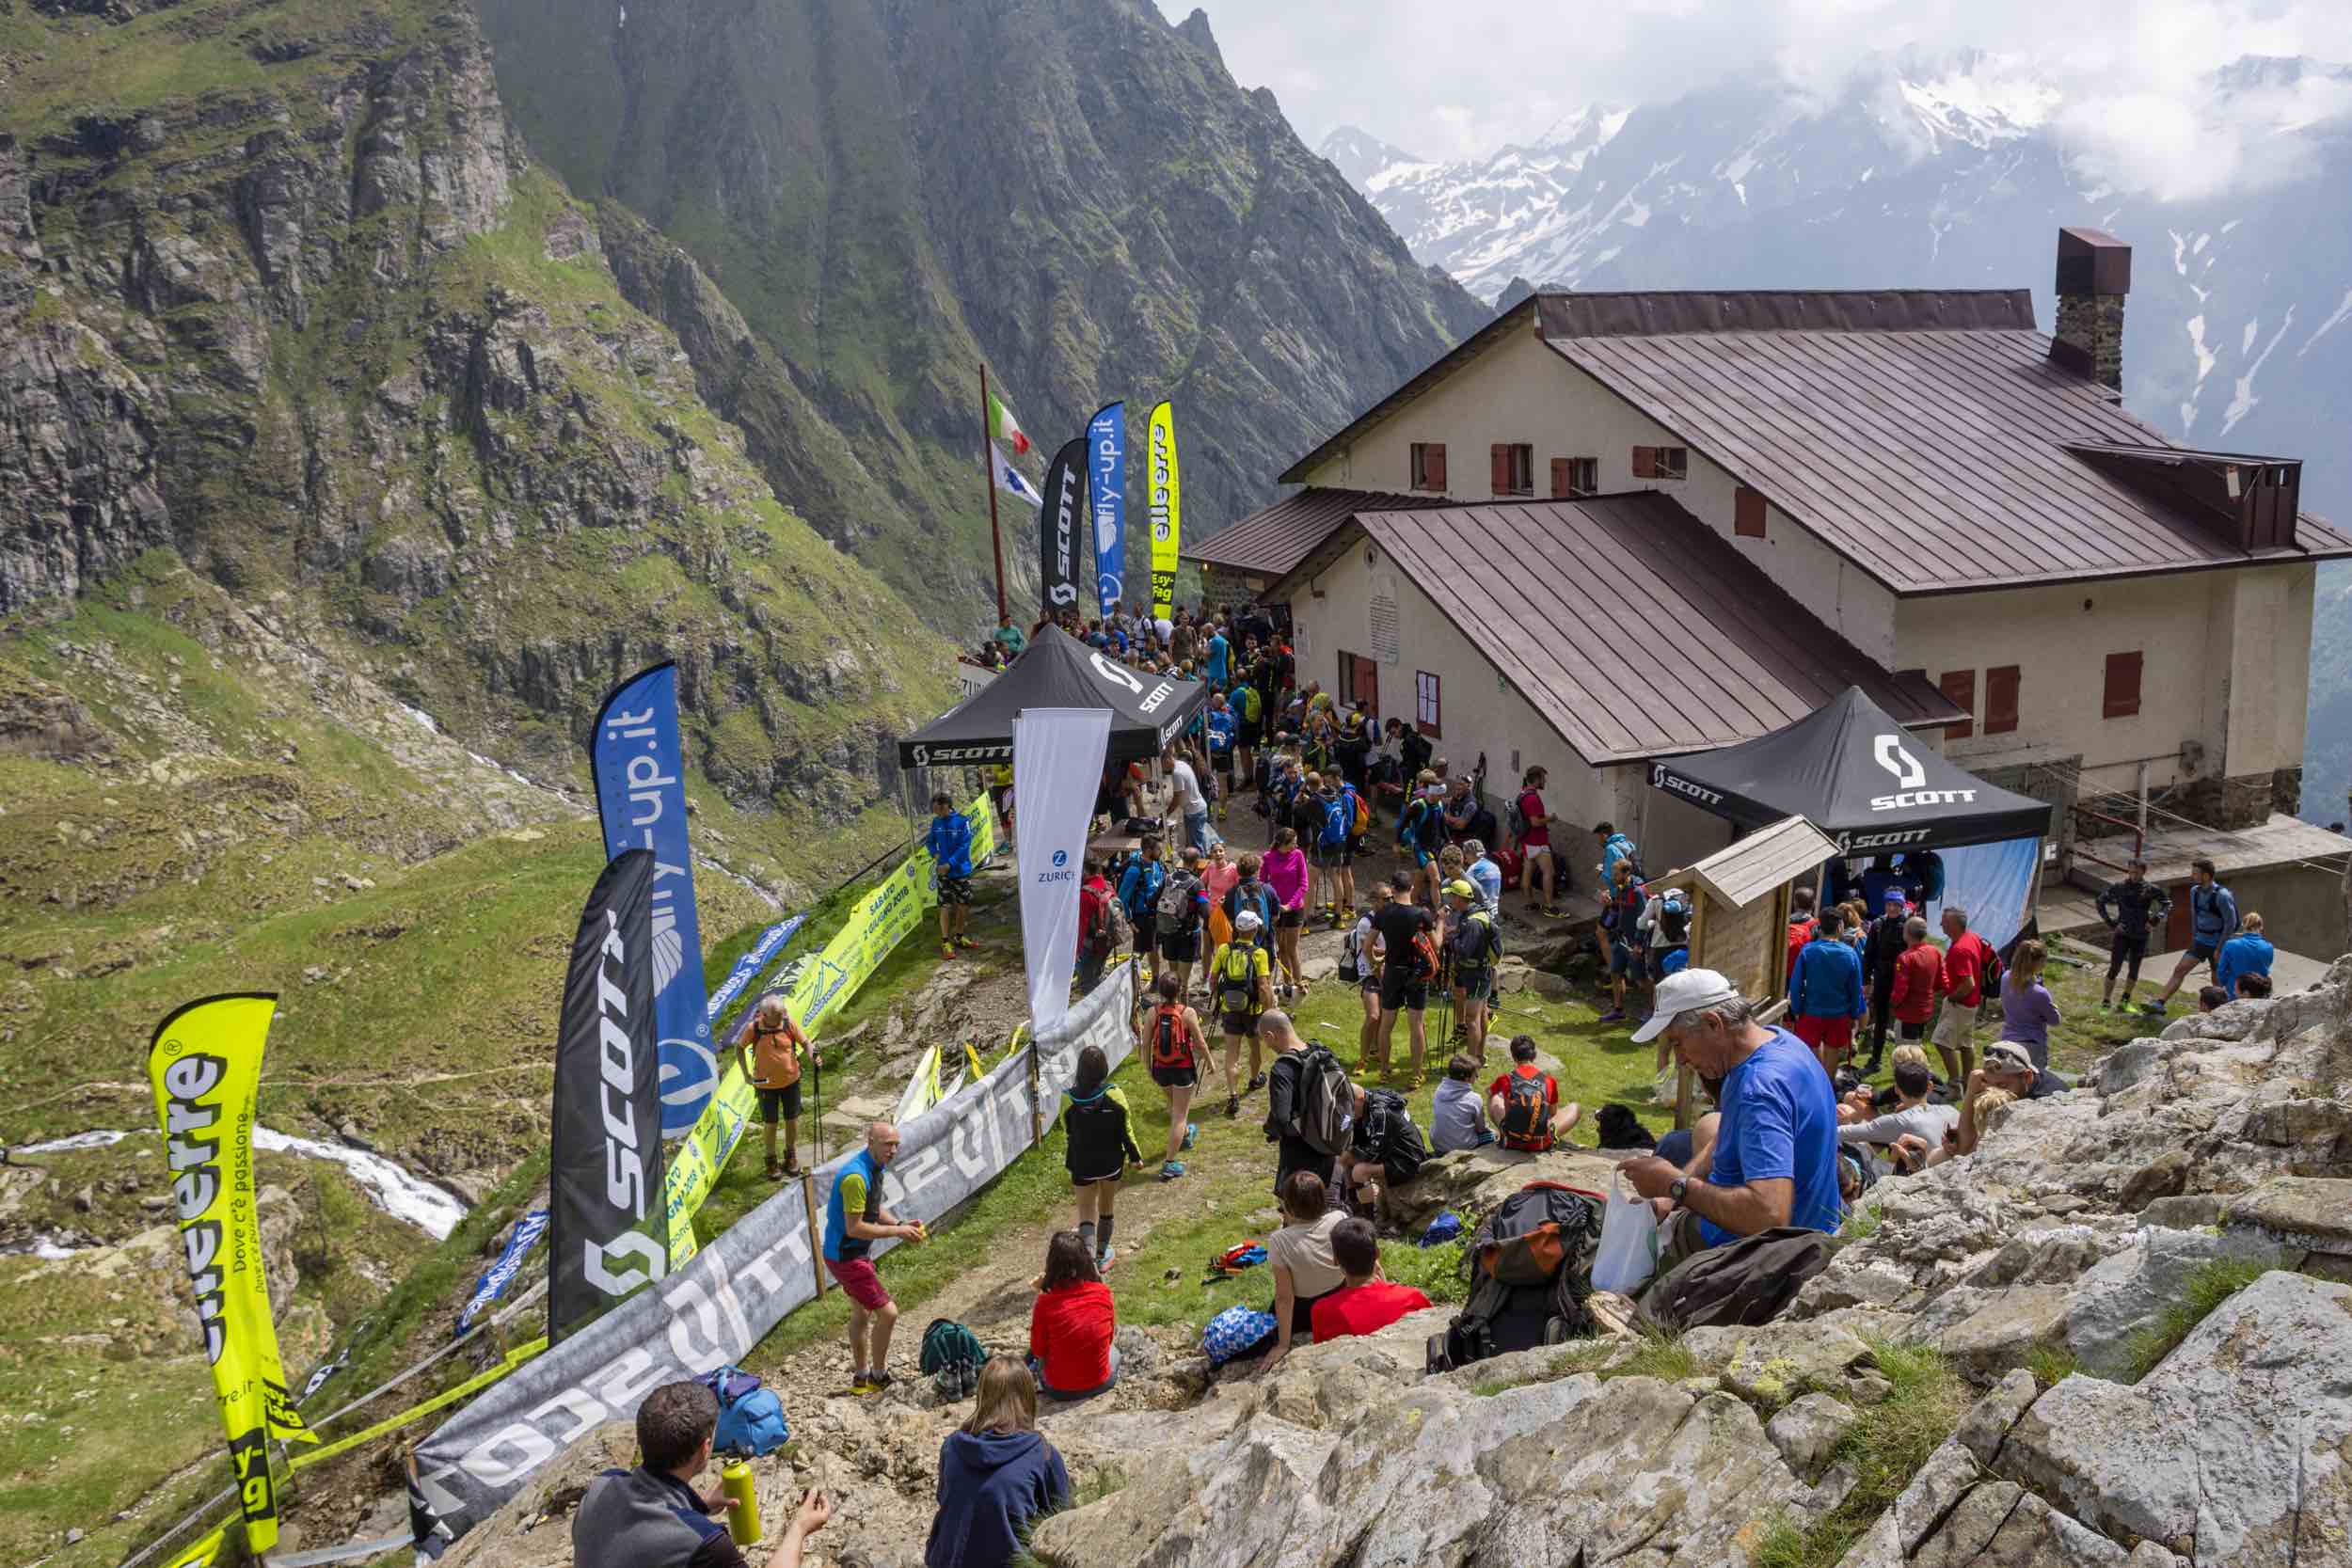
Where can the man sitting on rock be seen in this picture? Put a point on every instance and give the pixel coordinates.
(1774, 1157)
(652, 1517)
(2008, 1067)
(1367, 1303)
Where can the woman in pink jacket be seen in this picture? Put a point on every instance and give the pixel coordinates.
(1284, 870)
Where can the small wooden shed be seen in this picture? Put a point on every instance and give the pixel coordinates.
(1739, 898)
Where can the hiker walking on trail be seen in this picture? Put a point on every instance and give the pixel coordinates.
(1241, 980)
(1359, 966)
(1096, 938)
(854, 1220)
(652, 1517)
(771, 1059)
(2213, 917)
(1174, 1048)
(1621, 913)
(1102, 1142)
(2131, 907)
(996, 1475)
(1139, 882)
(1287, 1107)
(949, 841)
(1182, 909)
(1407, 937)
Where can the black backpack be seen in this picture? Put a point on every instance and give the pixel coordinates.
(1737, 1284)
(1389, 1134)
(1323, 1110)
(1506, 1311)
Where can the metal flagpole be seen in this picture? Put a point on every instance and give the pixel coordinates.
(988, 464)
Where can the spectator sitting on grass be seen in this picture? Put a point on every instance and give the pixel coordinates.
(1913, 1112)
(1367, 1303)
(1458, 1115)
(2253, 987)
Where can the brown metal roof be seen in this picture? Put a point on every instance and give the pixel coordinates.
(1651, 313)
(1275, 539)
(1933, 459)
(1635, 628)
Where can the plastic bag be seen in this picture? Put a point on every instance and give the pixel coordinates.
(1629, 1242)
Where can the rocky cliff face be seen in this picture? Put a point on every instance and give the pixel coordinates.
(891, 190)
(2114, 1338)
(300, 310)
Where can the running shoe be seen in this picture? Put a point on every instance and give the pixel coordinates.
(876, 1383)
(862, 1382)
(946, 949)
(1192, 1134)
(775, 1172)
(1257, 1082)
(1232, 1106)
(1106, 1258)
(1614, 1014)
(2154, 1009)
(1172, 1169)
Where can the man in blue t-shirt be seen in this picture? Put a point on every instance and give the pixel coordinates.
(949, 841)
(1219, 651)
(1770, 1158)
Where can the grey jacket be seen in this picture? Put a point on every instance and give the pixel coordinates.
(638, 1519)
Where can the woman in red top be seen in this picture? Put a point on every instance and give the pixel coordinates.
(1918, 980)
(1072, 1323)
(1534, 845)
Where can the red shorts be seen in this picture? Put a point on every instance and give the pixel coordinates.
(860, 1282)
(1836, 1034)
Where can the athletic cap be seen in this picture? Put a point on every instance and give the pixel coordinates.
(1461, 889)
(2009, 1054)
(1681, 991)
(1245, 921)
(1895, 896)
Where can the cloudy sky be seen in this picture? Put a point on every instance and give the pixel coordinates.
(1457, 78)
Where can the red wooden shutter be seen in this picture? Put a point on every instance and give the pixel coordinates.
(2122, 699)
(1499, 469)
(1960, 686)
(2000, 699)
(1561, 490)
(1644, 462)
(1748, 513)
(1433, 465)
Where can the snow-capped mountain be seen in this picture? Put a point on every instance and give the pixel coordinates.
(1955, 171)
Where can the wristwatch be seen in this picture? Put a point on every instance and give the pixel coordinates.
(1681, 1184)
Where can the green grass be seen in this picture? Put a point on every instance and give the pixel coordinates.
(2051, 1365)
(2209, 1285)
(1888, 1444)
(1861, 1223)
(1435, 1272)
(1659, 1356)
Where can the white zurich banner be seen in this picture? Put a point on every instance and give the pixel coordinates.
(1057, 772)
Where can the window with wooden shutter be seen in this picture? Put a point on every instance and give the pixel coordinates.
(2122, 699)
(1425, 703)
(1644, 462)
(1747, 512)
(1583, 476)
(1673, 462)
(1429, 466)
(2000, 699)
(1560, 489)
(1960, 686)
(1499, 469)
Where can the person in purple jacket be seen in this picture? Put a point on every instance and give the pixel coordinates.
(996, 1473)
(2028, 1009)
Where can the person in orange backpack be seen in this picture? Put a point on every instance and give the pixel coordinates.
(1524, 1102)
(1174, 1048)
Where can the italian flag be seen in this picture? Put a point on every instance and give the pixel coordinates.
(1003, 427)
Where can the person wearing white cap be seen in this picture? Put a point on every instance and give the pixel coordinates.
(1774, 1159)
(1241, 984)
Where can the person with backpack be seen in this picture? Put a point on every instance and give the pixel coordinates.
(1531, 833)
(1882, 944)
(1969, 969)
(1388, 1150)
(1621, 911)
(1335, 828)
(1250, 891)
(1219, 875)
(2131, 907)
(1284, 868)
(1919, 981)
(1173, 1048)
(1474, 947)
(1072, 1323)
(1101, 1141)
(1300, 1259)
(1408, 967)
(996, 1475)
(1182, 911)
(1420, 832)
(1248, 706)
(1773, 1161)
(1098, 933)
(1221, 726)
(652, 1517)
(1140, 881)
(1242, 986)
(1615, 846)
(1525, 1103)
(772, 1051)
(949, 840)
(1484, 874)
(1307, 1103)
(1665, 928)
(2213, 917)
(1366, 1302)
(1825, 993)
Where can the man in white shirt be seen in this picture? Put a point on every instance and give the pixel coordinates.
(1190, 801)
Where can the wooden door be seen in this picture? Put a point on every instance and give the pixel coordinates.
(1367, 684)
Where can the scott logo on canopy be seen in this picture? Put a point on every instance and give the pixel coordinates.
(1660, 779)
(927, 755)
(1123, 676)
(1889, 753)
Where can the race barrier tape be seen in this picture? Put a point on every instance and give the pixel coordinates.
(762, 1268)
(480, 1380)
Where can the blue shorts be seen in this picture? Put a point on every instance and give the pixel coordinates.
(1625, 961)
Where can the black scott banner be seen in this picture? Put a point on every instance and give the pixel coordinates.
(1064, 548)
(605, 1176)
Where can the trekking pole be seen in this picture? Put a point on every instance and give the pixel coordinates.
(816, 1094)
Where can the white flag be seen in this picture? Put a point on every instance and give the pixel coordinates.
(1056, 771)
(1012, 481)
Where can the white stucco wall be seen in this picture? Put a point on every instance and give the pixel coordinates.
(1522, 390)
(2226, 660)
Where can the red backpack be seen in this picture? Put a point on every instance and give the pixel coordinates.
(1172, 1042)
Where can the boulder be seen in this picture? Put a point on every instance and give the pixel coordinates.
(2127, 1292)
(2234, 1450)
(2001, 1334)
(1773, 1363)
(1808, 1432)
(2303, 1213)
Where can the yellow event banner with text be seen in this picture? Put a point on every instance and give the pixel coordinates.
(205, 1065)
(1165, 494)
(886, 916)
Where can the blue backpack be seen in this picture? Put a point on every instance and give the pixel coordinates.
(1149, 875)
(1337, 821)
(751, 1418)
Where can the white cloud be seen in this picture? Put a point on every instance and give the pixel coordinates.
(2127, 84)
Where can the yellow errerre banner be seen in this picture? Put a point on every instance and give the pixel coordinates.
(205, 1067)
(887, 915)
(1166, 491)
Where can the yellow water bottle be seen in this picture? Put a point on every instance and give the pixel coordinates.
(743, 1502)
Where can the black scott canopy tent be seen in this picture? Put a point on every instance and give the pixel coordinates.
(1853, 772)
(1057, 671)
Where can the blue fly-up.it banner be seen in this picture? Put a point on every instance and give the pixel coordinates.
(1106, 486)
(641, 798)
(500, 1275)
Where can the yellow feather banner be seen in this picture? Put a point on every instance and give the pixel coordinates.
(1166, 493)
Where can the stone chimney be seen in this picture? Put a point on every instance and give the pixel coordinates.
(2094, 273)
